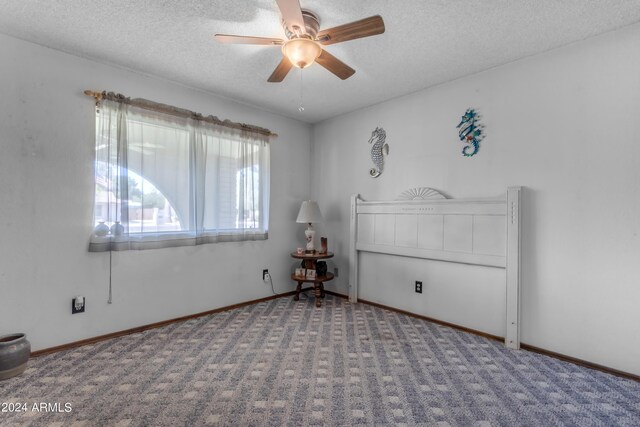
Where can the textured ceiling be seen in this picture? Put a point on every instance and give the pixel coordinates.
(426, 42)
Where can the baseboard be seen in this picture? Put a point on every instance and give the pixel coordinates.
(580, 362)
(432, 320)
(336, 294)
(523, 346)
(154, 325)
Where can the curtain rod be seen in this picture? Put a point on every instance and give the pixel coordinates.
(175, 111)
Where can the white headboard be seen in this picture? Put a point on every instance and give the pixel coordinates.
(424, 224)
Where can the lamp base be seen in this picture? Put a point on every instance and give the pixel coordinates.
(310, 233)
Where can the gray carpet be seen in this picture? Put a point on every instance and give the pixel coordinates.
(286, 363)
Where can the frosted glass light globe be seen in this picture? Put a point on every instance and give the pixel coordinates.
(301, 52)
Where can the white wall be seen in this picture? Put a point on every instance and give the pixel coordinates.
(46, 190)
(563, 124)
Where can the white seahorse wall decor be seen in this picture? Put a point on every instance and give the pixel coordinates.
(379, 147)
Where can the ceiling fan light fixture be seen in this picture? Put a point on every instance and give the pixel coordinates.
(301, 52)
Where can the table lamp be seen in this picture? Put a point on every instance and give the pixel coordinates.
(310, 214)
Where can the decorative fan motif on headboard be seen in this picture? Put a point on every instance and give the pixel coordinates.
(420, 193)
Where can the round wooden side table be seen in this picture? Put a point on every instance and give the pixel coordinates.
(310, 261)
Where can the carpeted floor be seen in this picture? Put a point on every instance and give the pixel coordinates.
(286, 363)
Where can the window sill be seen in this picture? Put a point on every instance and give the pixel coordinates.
(143, 241)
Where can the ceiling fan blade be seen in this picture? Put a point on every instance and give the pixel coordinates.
(292, 15)
(366, 27)
(281, 71)
(228, 38)
(334, 65)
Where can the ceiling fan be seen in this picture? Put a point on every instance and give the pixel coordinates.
(304, 41)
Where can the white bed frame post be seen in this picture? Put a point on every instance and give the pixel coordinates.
(353, 252)
(512, 339)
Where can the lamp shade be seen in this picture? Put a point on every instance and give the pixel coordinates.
(309, 212)
(301, 52)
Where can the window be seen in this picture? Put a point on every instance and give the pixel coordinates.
(162, 180)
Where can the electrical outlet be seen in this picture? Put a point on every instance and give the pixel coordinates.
(335, 271)
(418, 287)
(265, 274)
(78, 305)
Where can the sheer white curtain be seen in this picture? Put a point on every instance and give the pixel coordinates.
(164, 181)
(235, 177)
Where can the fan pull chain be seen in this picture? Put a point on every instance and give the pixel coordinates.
(300, 107)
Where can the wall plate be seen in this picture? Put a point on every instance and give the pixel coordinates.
(73, 306)
(418, 287)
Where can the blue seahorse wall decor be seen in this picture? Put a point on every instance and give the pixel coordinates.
(471, 132)
(378, 137)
